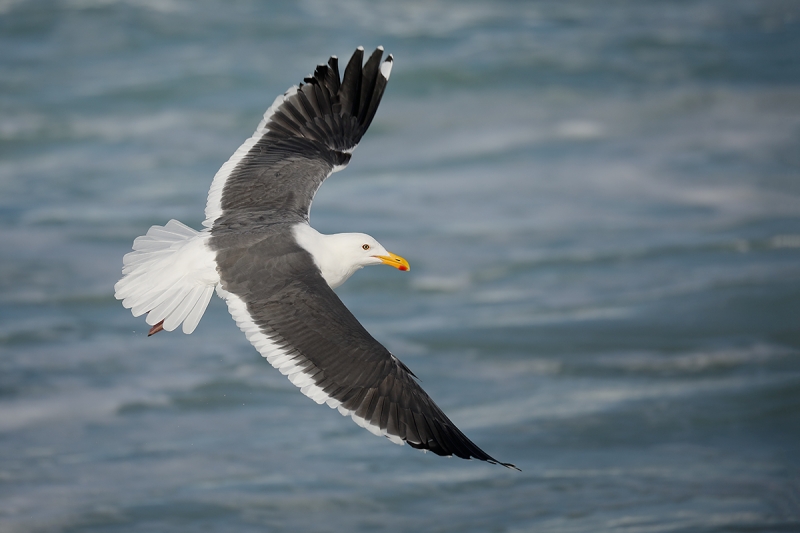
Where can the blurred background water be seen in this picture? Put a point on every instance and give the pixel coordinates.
(600, 202)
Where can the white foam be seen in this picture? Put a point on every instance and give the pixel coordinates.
(580, 130)
(785, 241)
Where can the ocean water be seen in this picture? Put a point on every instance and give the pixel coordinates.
(600, 202)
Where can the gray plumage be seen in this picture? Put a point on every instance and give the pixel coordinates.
(265, 261)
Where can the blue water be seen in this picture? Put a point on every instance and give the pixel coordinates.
(600, 202)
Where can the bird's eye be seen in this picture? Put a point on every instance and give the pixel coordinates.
(366, 246)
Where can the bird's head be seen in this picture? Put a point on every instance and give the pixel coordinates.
(364, 250)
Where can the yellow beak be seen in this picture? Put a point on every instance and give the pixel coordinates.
(394, 260)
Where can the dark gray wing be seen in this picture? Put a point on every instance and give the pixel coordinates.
(306, 134)
(290, 314)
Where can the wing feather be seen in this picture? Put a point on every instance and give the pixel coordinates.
(292, 316)
(305, 135)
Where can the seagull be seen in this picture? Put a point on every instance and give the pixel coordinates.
(277, 274)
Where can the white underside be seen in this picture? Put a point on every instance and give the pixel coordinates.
(334, 269)
(170, 275)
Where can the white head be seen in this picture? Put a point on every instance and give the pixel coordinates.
(360, 250)
(340, 255)
(353, 251)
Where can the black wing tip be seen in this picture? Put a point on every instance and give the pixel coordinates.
(468, 450)
(510, 466)
(449, 453)
(491, 460)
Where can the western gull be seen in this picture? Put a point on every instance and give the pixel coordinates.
(277, 273)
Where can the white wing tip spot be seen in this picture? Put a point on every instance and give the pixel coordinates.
(386, 68)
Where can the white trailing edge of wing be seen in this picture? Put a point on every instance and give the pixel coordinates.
(290, 364)
(214, 202)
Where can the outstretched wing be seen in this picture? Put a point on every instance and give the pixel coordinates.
(295, 320)
(308, 133)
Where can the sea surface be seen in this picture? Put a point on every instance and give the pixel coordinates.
(600, 202)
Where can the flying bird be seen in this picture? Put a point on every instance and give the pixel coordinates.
(277, 274)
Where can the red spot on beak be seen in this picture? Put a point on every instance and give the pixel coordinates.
(401, 267)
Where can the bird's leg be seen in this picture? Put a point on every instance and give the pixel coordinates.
(155, 329)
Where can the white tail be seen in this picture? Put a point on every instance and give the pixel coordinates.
(170, 275)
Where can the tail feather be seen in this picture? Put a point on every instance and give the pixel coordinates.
(194, 316)
(170, 275)
(150, 301)
(130, 261)
(181, 311)
(167, 306)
